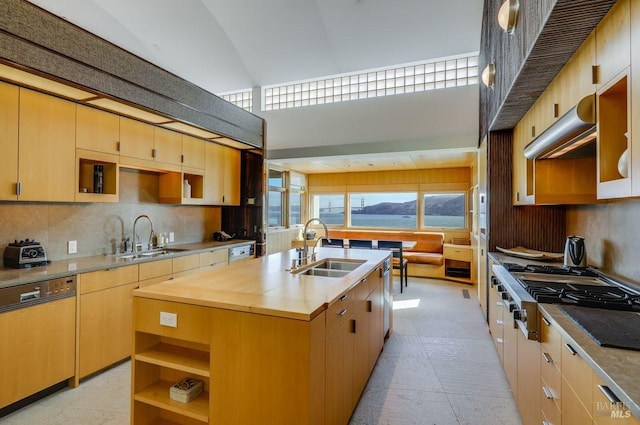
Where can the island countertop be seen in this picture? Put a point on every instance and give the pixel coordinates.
(265, 285)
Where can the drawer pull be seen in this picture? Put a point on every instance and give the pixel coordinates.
(547, 393)
(547, 357)
(500, 322)
(342, 312)
(546, 322)
(499, 303)
(344, 297)
(499, 340)
(609, 394)
(570, 348)
(546, 423)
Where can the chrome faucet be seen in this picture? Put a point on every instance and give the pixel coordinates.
(305, 255)
(137, 246)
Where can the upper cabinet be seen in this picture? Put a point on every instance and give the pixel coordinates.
(97, 130)
(46, 157)
(633, 154)
(167, 146)
(136, 139)
(613, 102)
(222, 175)
(9, 99)
(193, 152)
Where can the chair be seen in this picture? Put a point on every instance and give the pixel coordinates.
(399, 262)
(360, 243)
(335, 243)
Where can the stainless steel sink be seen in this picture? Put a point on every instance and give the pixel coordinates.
(330, 267)
(148, 254)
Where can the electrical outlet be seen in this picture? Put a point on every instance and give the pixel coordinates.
(171, 237)
(72, 247)
(168, 319)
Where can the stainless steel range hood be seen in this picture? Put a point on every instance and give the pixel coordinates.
(571, 131)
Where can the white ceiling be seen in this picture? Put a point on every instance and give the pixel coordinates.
(228, 45)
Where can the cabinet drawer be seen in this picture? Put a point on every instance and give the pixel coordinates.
(550, 412)
(104, 279)
(462, 254)
(603, 410)
(187, 262)
(577, 373)
(156, 268)
(551, 384)
(339, 312)
(550, 343)
(214, 257)
(573, 412)
(154, 280)
(192, 322)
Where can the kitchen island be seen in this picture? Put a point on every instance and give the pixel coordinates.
(270, 346)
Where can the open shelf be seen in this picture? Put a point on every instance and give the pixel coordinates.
(157, 395)
(172, 184)
(175, 357)
(87, 189)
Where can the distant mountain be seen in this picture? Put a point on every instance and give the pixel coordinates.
(438, 205)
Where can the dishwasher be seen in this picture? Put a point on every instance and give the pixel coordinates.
(37, 336)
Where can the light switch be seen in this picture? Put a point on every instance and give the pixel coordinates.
(72, 247)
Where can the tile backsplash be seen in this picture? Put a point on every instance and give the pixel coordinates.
(98, 227)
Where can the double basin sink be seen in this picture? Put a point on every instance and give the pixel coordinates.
(130, 256)
(330, 267)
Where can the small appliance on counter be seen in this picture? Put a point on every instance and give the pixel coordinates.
(574, 252)
(23, 254)
(222, 236)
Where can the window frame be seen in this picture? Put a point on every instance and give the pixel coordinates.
(465, 194)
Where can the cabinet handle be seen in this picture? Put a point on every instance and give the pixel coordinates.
(500, 340)
(363, 280)
(344, 297)
(499, 303)
(353, 326)
(517, 196)
(570, 348)
(153, 153)
(547, 357)
(609, 394)
(181, 158)
(118, 146)
(547, 393)
(369, 306)
(556, 110)
(18, 188)
(342, 312)
(595, 70)
(546, 322)
(500, 322)
(546, 423)
(533, 131)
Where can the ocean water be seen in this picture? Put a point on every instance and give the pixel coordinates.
(392, 221)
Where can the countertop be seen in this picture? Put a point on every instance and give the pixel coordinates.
(264, 285)
(618, 368)
(73, 266)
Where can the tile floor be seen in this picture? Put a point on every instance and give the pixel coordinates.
(439, 367)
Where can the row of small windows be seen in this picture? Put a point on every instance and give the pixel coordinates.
(408, 79)
(243, 99)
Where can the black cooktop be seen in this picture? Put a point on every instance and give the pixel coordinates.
(608, 328)
(546, 269)
(595, 296)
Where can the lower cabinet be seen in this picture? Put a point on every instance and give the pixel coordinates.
(340, 376)
(105, 317)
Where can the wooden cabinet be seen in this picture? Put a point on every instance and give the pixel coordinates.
(605, 411)
(136, 140)
(167, 146)
(38, 348)
(458, 263)
(340, 400)
(613, 42)
(528, 385)
(193, 152)
(46, 157)
(222, 175)
(213, 259)
(522, 166)
(185, 265)
(510, 351)
(155, 271)
(87, 189)
(105, 318)
(634, 142)
(9, 100)
(496, 324)
(97, 130)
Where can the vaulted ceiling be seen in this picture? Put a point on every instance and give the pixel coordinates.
(223, 45)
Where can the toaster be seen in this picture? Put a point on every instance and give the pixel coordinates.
(23, 254)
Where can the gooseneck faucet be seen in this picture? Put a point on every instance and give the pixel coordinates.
(136, 245)
(305, 256)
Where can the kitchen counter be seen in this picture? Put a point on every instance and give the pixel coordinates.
(72, 266)
(618, 368)
(264, 285)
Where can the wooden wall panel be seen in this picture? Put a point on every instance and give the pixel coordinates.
(536, 227)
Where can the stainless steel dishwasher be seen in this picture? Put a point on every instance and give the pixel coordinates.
(37, 335)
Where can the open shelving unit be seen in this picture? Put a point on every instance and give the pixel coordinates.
(86, 161)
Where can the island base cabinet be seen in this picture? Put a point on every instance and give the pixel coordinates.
(341, 398)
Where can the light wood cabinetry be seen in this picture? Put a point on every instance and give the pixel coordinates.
(86, 187)
(97, 130)
(155, 271)
(9, 100)
(105, 318)
(213, 259)
(528, 385)
(167, 146)
(458, 263)
(136, 140)
(193, 152)
(222, 175)
(496, 324)
(606, 411)
(522, 167)
(613, 42)
(46, 156)
(185, 265)
(23, 368)
(634, 142)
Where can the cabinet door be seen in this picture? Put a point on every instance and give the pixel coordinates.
(9, 96)
(46, 148)
(231, 195)
(634, 142)
(167, 146)
(528, 380)
(105, 327)
(339, 374)
(613, 42)
(496, 326)
(214, 174)
(97, 130)
(361, 329)
(136, 139)
(193, 152)
(376, 332)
